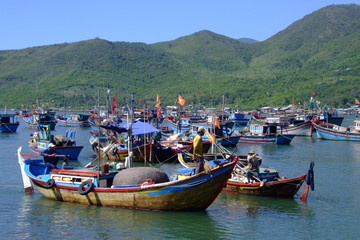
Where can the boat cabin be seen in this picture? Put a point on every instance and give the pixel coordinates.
(8, 118)
(262, 129)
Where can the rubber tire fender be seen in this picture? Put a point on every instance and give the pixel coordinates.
(84, 191)
(114, 151)
(50, 183)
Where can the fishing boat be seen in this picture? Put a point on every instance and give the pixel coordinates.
(8, 123)
(121, 189)
(167, 150)
(223, 133)
(291, 124)
(335, 132)
(180, 126)
(33, 120)
(64, 144)
(269, 183)
(238, 119)
(264, 133)
(113, 144)
(73, 120)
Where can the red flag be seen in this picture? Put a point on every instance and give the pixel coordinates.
(181, 101)
(158, 107)
(357, 101)
(114, 104)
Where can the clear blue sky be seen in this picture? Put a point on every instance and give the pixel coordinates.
(29, 23)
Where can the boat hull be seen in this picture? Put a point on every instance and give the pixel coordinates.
(301, 129)
(263, 139)
(9, 128)
(72, 151)
(194, 193)
(229, 141)
(331, 134)
(285, 188)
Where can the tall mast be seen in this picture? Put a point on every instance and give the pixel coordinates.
(130, 122)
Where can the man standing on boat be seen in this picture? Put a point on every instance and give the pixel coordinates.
(50, 156)
(198, 150)
(253, 167)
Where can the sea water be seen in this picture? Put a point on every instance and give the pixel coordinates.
(331, 212)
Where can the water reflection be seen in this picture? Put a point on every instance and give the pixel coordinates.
(252, 206)
(43, 217)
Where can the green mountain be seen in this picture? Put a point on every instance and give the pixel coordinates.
(319, 53)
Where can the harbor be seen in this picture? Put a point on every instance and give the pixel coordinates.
(331, 208)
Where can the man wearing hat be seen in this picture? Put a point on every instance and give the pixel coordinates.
(253, 167)
(198, 150)
(50, 156)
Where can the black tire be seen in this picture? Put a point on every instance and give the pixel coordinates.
(82, 190)
(114, 151)
(50, 183)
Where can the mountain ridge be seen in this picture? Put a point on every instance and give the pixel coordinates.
(319, 52)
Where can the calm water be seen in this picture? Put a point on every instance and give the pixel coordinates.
(332, 210)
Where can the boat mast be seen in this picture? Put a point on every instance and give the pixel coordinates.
(129, 162)
(98, 125)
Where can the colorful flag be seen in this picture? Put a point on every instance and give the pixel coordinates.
(114, 104)
(181, 101)
(158, 107)
(357, 101)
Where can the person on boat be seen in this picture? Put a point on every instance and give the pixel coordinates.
(198, 150)
(65, 164)
(253, 166)
(50, 156)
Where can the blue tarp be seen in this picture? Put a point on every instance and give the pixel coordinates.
(138, 127)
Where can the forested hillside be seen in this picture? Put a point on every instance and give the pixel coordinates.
(319, 53)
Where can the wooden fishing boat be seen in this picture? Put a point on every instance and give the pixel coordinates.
(269, 183)
(176, 127)
(73, 120)
(238, 119)
(119, 152)
(114, 144)
(167, 150)
(33, 120)
(102, 188)
(302, 128)
(264, 133)
(8, 123)
(335, 132)
(64, 144)
(224, 134)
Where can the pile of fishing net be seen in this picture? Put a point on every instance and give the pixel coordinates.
(139, 175)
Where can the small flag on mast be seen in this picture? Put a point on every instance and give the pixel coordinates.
(158, 106)
(181, 100)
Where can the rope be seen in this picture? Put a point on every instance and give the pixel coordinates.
(8, 128)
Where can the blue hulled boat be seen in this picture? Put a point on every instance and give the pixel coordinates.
(8, 123)
(136, 188)
(264, 133)
(64, 145)
(335, 132)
